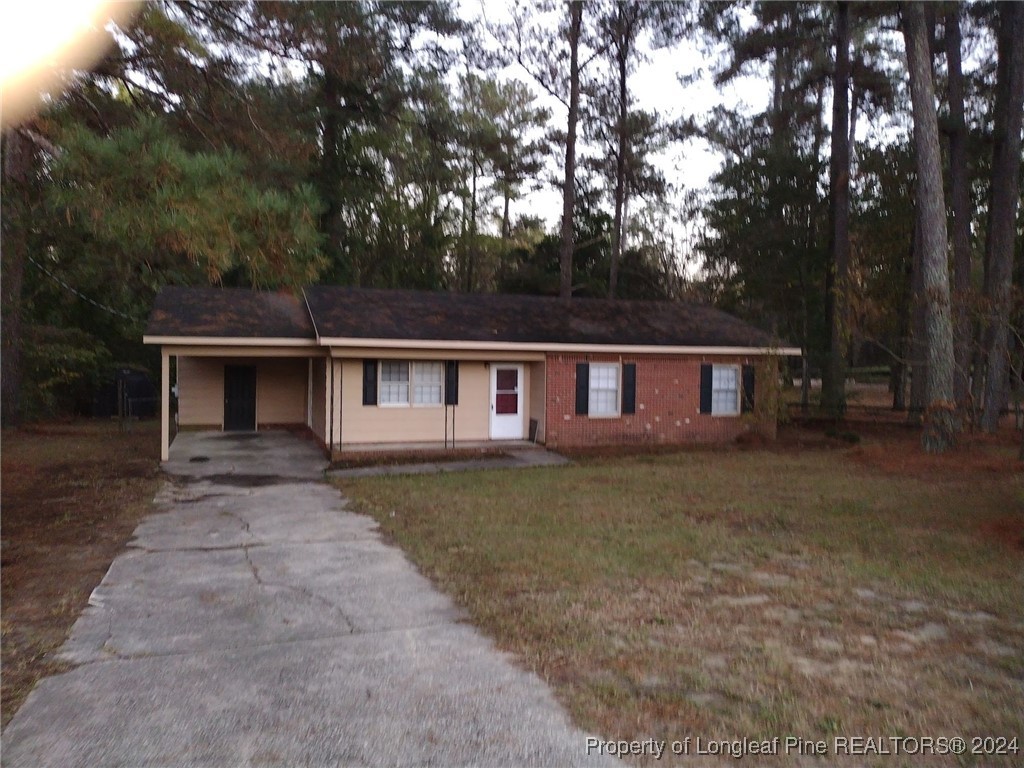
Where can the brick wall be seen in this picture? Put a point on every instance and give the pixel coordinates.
(667, 404)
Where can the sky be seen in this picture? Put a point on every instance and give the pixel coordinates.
(34, 36)
(655, 86)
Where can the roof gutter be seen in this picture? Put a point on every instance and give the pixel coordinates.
(228, 341)
(516, 346)
(466, 346)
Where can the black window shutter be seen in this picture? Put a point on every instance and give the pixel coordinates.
(706, 382)
(451, 382)
(369, 382)
(629, 388)
(582, 388)
(748, 389)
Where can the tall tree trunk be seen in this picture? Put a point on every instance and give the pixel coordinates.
(621, 128)
(330, 172)
(569, 184)
(978, 370)
(907, 317)
(462, 246)
(506, 224)
(778, 92)
(1003, 202)
(940, 420)
(833, 385)
(959, 183)
(471, 250)
(17, 158)
(805, 367)
(855, 98)
(918, 344)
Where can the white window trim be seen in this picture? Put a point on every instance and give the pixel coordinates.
(381, 384)
(739, 391)
(412, 384)
(618, 392)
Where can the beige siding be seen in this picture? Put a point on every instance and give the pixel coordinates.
(473, 413)
(281, 389)
(336, 385)
(285, 395)
(200, 392)
(319, 420)
(401, 424)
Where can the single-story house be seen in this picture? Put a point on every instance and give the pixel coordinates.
(361, 368)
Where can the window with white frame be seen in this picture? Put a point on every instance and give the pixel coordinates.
(427, 383)
(725, 390)
(394, 382)
(604, 389)
(405, 383)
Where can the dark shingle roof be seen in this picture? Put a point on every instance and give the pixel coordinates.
(361, 313)
(425, 316)
(229, 313)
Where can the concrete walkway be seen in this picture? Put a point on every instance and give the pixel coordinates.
(253, 621)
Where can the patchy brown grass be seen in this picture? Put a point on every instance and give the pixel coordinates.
(744, 593)
(72, 495)
(976, 456)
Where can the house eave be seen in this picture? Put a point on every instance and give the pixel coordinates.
(554, 348)
(228, 341)
(456, 345)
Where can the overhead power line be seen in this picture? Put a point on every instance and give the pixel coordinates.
(78, 293)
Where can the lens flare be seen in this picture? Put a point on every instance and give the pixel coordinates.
(42, 43)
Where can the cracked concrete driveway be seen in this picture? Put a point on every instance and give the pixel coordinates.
(254, 621)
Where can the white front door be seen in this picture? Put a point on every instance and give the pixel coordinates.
(506, 401)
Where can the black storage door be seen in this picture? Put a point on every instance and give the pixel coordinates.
(239, 398)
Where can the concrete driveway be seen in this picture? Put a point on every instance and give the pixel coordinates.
(254, 621)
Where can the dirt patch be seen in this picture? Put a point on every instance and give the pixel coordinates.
(72, 495)
(1008, 531)
(753, 440)
(798, 435)
(897, 452)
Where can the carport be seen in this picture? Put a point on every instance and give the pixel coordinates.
(237, 361)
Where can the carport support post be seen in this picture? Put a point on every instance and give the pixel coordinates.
(165, 405)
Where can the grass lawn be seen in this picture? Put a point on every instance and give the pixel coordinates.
(72, 495)
(728, 593)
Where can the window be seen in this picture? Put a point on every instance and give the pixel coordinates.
(506, 391)
(394, 383)
(428, 382)
(604, 389)
(404, 383)
(599, 393)
(725, 390)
